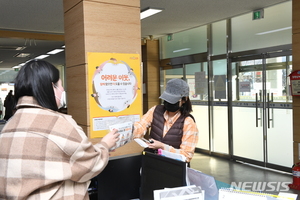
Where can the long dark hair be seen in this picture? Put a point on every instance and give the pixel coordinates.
(35, 79)
(186, 107)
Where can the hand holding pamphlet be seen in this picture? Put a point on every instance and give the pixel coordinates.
(125, 130)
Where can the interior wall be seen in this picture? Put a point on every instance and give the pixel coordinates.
(151, 71)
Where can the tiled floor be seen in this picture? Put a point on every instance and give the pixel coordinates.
(239, 173)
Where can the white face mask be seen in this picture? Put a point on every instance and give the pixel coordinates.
(62, 99)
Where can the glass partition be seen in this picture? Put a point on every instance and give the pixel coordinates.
(220, 108)
(250, 34)
(219, 37)
(184, 43)
(197, 78)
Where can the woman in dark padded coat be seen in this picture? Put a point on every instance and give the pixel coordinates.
(173, 128)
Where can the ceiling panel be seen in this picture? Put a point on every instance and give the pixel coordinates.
(43, 16)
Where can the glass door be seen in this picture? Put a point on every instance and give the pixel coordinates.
(197, 78)
(262, 111)
(210, 104)
(219, 108)
(247, 110)
(279, 122)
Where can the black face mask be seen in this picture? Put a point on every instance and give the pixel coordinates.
(171, 107)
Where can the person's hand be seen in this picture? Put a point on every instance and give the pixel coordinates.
(155, 144)
(111, 138)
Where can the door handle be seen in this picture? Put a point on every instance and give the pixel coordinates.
(256, 110)
(272, 111)
(268, 107)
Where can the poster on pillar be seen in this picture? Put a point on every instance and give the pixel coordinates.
(115, 96)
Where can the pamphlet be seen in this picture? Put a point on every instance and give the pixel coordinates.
(141, 142)
(125, 129)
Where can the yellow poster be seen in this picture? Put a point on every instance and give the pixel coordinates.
(115, 96)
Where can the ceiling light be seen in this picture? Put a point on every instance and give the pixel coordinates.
(179, 50)
(20, 48)
(22, 55)
(149, 12)
(55, 51)
(273, 31)
(41, 57)
(18, 66)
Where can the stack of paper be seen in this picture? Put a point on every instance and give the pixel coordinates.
(169, 154)
(179, 193)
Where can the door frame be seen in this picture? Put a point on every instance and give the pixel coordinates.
(252, 55)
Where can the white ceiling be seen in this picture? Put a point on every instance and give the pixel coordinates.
(46, 16)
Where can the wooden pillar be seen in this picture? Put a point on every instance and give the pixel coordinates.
(106, 26)
(296, 66)
(151, 71)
